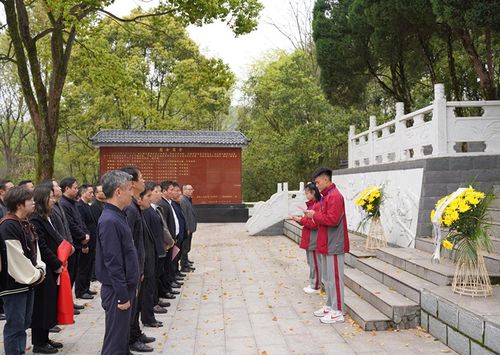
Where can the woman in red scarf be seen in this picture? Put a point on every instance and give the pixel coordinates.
(309, 237)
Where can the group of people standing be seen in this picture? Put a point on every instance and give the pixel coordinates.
(149, 259)
(325, 238)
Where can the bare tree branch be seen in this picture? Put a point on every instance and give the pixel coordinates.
(134, 19)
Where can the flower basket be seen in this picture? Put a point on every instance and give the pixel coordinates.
(370, 200)
(464, 214)
(376, 237)
(471, 277)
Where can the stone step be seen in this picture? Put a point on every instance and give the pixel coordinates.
(418, 262)
(396, 279)
(363, 313)
(492, 260)
(494, 229)
(403, 312)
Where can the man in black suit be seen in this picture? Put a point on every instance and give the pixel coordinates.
(87, 257)
(172, 279)
(78, 229)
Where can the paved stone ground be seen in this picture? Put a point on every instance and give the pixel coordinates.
(246, 297)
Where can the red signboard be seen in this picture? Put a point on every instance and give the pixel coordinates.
(215, 173)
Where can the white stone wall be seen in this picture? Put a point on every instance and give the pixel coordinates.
(399, 212)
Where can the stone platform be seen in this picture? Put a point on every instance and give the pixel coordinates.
(246, 297)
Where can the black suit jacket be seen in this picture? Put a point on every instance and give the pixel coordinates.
(168, 215)
(89, 221)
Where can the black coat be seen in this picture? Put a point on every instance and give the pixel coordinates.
(45, 305)
(89, 220)
(168, 215)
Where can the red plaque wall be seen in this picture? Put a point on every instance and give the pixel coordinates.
(215, 173)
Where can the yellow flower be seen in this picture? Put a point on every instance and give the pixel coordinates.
(433, 213)
(369, 207)
(371, 198)
(447, 220)
(447, 244)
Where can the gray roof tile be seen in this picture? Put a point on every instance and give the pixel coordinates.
(113, 137)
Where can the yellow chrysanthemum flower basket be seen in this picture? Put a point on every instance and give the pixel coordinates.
(464, 214)
(370, 201)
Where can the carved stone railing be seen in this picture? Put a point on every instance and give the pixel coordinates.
(444, 128)
(279, 206)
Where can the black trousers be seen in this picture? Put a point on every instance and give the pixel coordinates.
(39, 336)
(116, 334)
(135, 329)
(185, 249)
(148, 300)
(167, 274)
(84, 272)
(73, 266)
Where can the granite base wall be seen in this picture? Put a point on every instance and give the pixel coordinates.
(442, 176)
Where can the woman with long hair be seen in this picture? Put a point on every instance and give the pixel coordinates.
(309, 237)
(45, 306)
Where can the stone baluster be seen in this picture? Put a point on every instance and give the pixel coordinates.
(399, 131)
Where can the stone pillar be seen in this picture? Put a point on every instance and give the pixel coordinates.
(371, 139)
(301, 186)
(439, 122)
(285, 186)
(280, 187)
(398, 131)
(350, 147)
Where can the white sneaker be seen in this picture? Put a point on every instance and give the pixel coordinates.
(322, 312)
(332, 317)
(309, 289)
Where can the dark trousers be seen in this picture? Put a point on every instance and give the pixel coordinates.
(84, 272)
(73, 266)
(116, 334)
(167, 274)
(39, 336)
(185, 249)
(148, 300)
(18, 310)
(135, 329)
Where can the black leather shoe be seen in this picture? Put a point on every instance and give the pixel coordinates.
(85, 296)
(187, 269)
(154, 325)
(179, 283)
(141, 347)
(175, 285)
(178, 278)
(2, 316)
(45, 349)
(78, 306)
(174, 292)
(93, 293)
(76, 312)
(163, 304)
(159, 309)
(55, 329)
(181, 274)
(145, 339)
(169, 296)
(55, 344)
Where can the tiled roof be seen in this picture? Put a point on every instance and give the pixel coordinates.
(114, 137)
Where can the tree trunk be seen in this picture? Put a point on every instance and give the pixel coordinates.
(46, 147)
(486, 79)
(451, 64)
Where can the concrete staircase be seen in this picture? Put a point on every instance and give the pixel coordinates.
(386, 287)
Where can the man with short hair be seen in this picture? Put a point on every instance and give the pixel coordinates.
(78, 229)
(151, 255)
(135, 220)
(28, 184)
(87, 256)
(332, 244)
(117, 266)
(186, 203)
(5, 186)
(176, 226)
(22, 268)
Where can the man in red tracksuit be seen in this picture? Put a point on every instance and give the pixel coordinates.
(332, 244)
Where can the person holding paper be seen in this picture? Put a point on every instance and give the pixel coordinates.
(332, 244)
